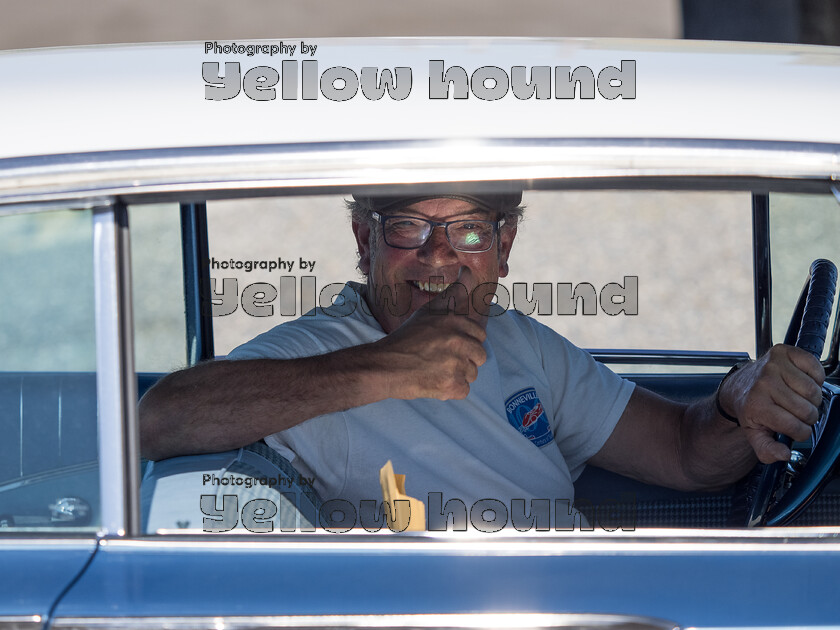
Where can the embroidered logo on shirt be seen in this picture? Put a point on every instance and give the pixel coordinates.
(526, 414)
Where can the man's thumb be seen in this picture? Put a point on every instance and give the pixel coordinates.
(455, 298)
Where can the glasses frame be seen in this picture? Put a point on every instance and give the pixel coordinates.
(497, 225)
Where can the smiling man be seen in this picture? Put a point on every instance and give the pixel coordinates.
(470, 402)
(401, 251)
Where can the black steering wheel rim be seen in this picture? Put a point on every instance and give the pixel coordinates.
(807, 330)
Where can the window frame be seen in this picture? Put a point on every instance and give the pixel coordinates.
(116, 381)
(191, 176)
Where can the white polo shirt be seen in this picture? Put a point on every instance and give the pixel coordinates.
(538, 410)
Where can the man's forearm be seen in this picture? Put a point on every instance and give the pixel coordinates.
(685, 447)
(221, 405)
(714, 451)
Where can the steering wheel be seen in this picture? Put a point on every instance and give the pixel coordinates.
(778, 493)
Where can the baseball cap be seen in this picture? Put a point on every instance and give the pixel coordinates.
(498, 202)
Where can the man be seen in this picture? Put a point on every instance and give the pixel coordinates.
(471, 404)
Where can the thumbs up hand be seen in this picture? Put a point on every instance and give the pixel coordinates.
(436, 353)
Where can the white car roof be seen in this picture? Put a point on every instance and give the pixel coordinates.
(111, 98)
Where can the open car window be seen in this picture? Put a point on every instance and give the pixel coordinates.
(679, 266)
(679, 262)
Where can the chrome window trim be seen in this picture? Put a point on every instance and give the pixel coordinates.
(116, 386)
(48, 206)
(647, 541)
(47, 539)
(449, 621)
(577, 621)
(21, 622)
(343, 164)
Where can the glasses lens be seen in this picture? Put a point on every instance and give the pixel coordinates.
(471, 236)
(406, 232)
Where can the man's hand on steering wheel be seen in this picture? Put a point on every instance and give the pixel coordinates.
(778, 393)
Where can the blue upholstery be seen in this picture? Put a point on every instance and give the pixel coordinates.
(48, 423)
(48, 420)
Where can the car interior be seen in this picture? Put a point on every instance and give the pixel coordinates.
(208, 275)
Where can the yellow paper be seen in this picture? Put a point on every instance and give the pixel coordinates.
(404, 513)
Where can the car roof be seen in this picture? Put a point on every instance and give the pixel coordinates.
(125, 97)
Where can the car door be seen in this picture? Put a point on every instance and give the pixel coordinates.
(613, 573)
(50, 503)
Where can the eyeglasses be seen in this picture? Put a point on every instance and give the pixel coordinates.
(468, 235)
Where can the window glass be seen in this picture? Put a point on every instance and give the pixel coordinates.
(48, 439)
(158, 287)
(46, 322)
(689, 253)
(681, 261)
(306, 241)
(803, 228)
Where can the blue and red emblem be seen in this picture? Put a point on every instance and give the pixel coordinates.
(526, 414)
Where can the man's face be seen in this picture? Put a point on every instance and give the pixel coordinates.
(423, 272)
